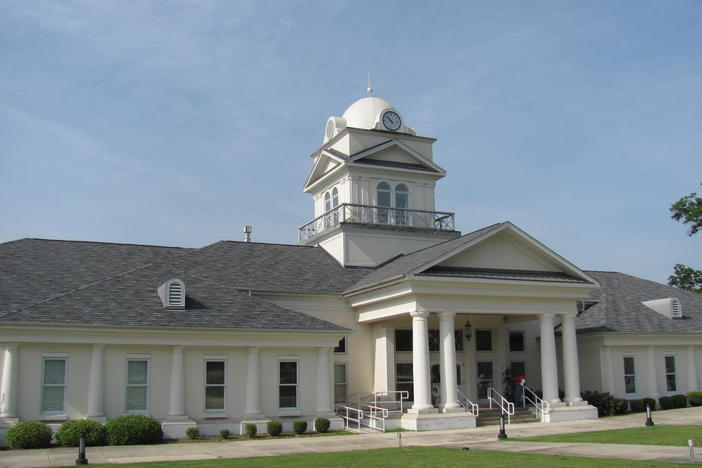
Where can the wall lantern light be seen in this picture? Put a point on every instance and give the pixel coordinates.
(468, 332)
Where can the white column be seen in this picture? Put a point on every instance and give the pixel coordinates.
(420, 362)
(651, 371)
(608, 376)
(324, 399)
(384, 354)
(549, 370)
(571, 369)
(469, 369)
(253, 399)
(9, 386)
(447, 369)
(96, 383)
(691, 370)
(176, 407)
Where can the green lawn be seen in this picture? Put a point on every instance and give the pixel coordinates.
(414, 457)
(654, 435)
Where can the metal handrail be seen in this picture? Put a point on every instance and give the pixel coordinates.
(395, 397)
(534, 399)
(379, 215)
(348, 418)
(372, 414)
(473, 407)
(506, 405)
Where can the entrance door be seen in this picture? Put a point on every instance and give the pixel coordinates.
(435, 385)
(485, 379)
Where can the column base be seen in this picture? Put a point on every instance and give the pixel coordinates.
(100, 419)
(176, 429)
(422, 410)
(7, 421)
(570, 413)
(453, 409)
(437, 421)
(254, 416)
(261, 425)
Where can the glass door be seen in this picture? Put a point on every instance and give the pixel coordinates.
(485, 379)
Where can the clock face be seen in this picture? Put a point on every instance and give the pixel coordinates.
(391, 121)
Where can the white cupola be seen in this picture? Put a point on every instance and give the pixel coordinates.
(368, 113)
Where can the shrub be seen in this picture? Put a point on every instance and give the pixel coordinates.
(637, 406)
(695, 398)
(133, 429)
(619, 406)
(299, 427)
(321, 425)
(250, 430)
(666, 402)
(679, 401)
(28, 435)
(224, 433)
(274, 428)
(649, 402)
(604, 402)
(192, 432)
(69, 433)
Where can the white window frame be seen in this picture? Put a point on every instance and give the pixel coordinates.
(674, 373)
(147, 385)
(289, 409)
(392, 217)
(45, 358)
(345, 383)
(224, 386)
(636, 382)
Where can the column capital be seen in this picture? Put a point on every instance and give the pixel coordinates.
(422, 314)
(547, 316)
(177, 348)
(447, 314)
(98, 346)
(252, 349)
(12, 346)
(568, 317)
(323, 349)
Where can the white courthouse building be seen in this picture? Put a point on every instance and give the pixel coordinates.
(382, 300)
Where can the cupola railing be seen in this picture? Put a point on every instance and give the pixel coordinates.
(349, 213)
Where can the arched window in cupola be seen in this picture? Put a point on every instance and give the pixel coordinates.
(402, 203)
(335, 197)
(327, 202)
(172, 294)
(384, 196)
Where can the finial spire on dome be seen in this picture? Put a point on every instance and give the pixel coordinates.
(370, 88)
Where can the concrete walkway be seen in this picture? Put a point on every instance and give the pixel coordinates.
(483, 438)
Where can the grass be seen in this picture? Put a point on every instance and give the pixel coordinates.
(414, 457)
(654, 435)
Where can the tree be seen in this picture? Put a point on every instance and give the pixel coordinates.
(688, 210)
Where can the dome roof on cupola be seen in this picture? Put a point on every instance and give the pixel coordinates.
(368, 113)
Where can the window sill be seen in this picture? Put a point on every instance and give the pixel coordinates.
(290, 413)
(216, 416)
(52, 417)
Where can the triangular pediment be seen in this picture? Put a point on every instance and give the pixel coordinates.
(395, 154)
(505, 252)
(325, 164)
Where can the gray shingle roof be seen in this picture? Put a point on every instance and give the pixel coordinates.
(518, 275)
(619, 307)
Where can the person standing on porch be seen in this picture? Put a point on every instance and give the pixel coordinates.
(519, 383)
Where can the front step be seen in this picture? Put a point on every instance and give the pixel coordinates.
(491, 417)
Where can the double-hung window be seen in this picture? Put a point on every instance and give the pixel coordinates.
(671, 380)
(287, 387)
(53, 386)
(629, 374)
(215, 385)
(340, 383)
(137, 385)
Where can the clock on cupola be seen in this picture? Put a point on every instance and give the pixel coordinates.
(372, 183)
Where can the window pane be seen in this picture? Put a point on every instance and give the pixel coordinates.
(516, 341)
(215, 372)
(483, 340)
(341, 347)
(670, 364)
(335, 198)
(433, 340)
(459, 340)
(137, 372)
(629, 384)
(327, 202)
(288, 372)
(52, 399)
(403, 340)
(339, 393)
(136, 398)
(401, 197)
(339, 373)
(670, 382)
(403, 372)
(54, 371)
(484, 378)
(214, 398)
(629, 365)
(383, 194)
(288, 396)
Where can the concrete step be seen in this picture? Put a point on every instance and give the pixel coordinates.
(491, 417)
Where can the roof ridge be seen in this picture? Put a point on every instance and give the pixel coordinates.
(104, 243)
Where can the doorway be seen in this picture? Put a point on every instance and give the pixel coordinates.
(485, 379)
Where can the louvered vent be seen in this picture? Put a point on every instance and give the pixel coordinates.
(676, 309)
(172, 294)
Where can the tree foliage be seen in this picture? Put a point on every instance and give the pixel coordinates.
(688, 210)
(684, 277)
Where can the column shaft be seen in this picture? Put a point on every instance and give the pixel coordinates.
(651, 370)
(324, 398)
(549, 370)
(608, 376)
(691, 370)
(176, 407)
(571, 369)
(449, 384)
(9, 386)
(420, 362)
(253, 399)
(96, 383)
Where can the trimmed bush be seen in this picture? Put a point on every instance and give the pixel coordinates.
(637, 406)
(620, 406)
(604, 402)
(679, 401)
(250, 430)
(666, 402)
(321, 425)
(192, 432)
(69, 433)
(274, 428)
(694, 398)
(299, 427)
(224, 433)
(28, 435)
(133, 429)
(649, 402)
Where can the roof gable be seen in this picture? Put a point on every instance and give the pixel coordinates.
(396, 154)
(326, 162)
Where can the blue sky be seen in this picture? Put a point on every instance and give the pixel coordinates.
(177, 122)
